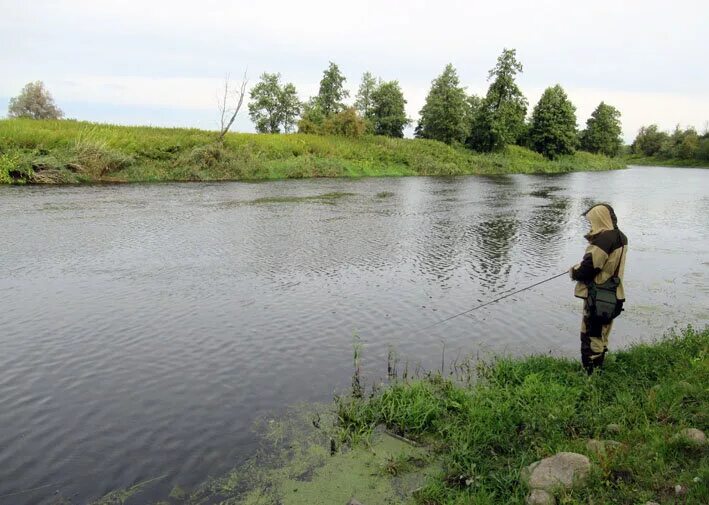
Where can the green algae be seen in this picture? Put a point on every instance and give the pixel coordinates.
(302, 462)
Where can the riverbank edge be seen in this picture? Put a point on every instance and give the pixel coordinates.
(652, 161)
(510, 413)
(73, 152)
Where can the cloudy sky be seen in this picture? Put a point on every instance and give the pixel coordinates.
(161, 62)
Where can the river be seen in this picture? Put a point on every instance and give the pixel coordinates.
(144, 328)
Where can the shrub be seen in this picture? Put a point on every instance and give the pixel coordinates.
(346, 123)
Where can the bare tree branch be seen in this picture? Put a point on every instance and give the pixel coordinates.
(223, 106)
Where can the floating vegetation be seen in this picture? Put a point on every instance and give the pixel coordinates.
(121, 496)
(327, 198)
(545, 192)
(384, 194)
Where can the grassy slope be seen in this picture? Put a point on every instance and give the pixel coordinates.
(523, 410)
(71, 151)
(653, 161)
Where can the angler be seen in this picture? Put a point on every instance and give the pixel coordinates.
(599, 279)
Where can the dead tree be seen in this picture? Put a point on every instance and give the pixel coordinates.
(228, 114)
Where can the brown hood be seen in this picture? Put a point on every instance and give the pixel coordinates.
(600, 218)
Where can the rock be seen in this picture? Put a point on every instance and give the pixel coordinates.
(613, 428)
(680, 490)
(540, 497)
(564, 469)
(651, 503)
(603, 446)
(353, 502)
(693, 435)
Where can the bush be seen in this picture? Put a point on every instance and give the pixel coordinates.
(346, 123)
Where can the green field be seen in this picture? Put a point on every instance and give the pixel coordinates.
(65, 152)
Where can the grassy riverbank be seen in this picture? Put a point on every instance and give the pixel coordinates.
(655, 161)
(464, 438)
(521, 410)
(61, 152)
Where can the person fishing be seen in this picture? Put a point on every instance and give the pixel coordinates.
(599, 279)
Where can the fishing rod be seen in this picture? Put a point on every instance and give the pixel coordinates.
(493, 301)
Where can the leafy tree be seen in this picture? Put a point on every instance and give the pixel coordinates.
(474, 103)
(363, 99)
(35, 102)
(265, 106)
(649, 140)
(312, 119)
(500, 120)
(346, 123)
(290, 106)
(273, 105)
(553, 126)
(387, 111)
(703, 149)
(682, 144)
(602, 133)
(332, 91)
(444, 115)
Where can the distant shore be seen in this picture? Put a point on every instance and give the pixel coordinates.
(73, 152)
(655, 161)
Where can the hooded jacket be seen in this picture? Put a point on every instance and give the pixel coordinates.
(605, 254)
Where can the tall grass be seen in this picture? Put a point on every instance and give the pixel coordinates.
(73, 151)
(519, 411)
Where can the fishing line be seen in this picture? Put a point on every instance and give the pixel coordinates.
(493, 301)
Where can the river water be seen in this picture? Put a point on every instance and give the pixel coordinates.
(144, 328)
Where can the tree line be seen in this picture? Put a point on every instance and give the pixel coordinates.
(450, 115)
(681, 144)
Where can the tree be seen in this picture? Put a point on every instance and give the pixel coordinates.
(332, 91)
(387, 111)
(34, 102)
(363, 99)
(227, 114)
(290, 107)
(346, 123)
(312, 118)
(265, 106)
(443, 116)
(649, 140)
(500, 120)
(553, 127)
(682, 144)
(273, 105)
(603, 130)
(474, 103)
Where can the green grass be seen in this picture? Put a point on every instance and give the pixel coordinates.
(654, 161)
(75, 152)
(518, 411)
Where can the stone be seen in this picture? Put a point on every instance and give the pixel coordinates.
(694, 436)
(613, 428)
(353, 502)
(563, 470)
(540, 497)
(599, 447)
(651, 503)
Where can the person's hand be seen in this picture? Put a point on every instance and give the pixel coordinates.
(571, 273)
